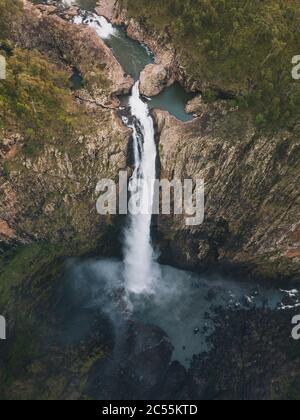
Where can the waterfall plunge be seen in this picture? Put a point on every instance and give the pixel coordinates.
(139, 259)
(140, 267)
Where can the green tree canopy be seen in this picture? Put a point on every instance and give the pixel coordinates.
(245, 46)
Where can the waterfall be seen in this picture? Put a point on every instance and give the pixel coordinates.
(139, 259)
(140, 268)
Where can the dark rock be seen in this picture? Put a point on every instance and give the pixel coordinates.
(137, 367)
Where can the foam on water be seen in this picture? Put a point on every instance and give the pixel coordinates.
(100, 24)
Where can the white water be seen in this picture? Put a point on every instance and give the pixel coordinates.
(141, 269)
(100, 24)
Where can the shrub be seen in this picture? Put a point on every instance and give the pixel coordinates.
(36, 96)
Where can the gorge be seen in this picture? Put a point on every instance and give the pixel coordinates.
(188, 313)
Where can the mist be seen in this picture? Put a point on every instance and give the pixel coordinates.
(181, 304)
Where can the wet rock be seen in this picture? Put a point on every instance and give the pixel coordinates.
(251, 358)
(212, 294)
(248, 301)
(174, 384)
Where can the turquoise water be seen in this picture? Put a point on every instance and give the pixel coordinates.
(134, 57)
(76, 81)
(173, 99)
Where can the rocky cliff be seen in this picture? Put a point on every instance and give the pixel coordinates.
(251, 194)
(251, 175)
(47, 187)
(56, 142)
(49, 195)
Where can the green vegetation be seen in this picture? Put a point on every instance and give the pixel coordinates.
(10, 12)
(19, 268)
(239, 46)
(36, 97)
(30, 291)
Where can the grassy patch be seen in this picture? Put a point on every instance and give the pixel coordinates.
(27, 263)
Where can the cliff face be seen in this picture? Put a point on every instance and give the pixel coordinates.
(49, 195)
(251, 193)
(252, 177)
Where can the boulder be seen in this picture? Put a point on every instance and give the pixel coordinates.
(153, 79)
(195, 105)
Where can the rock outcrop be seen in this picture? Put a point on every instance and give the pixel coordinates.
(153, 80)
(77, 45)
(137, 367)
(195, 106)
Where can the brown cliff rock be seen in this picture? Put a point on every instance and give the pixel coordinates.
(252, 193)
(153, 80)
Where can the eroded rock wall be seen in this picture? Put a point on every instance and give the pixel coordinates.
(251, 193)
(50, 195)
(252, 178)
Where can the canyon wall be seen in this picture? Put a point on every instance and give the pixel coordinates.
(47, 186)
(252, 175)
